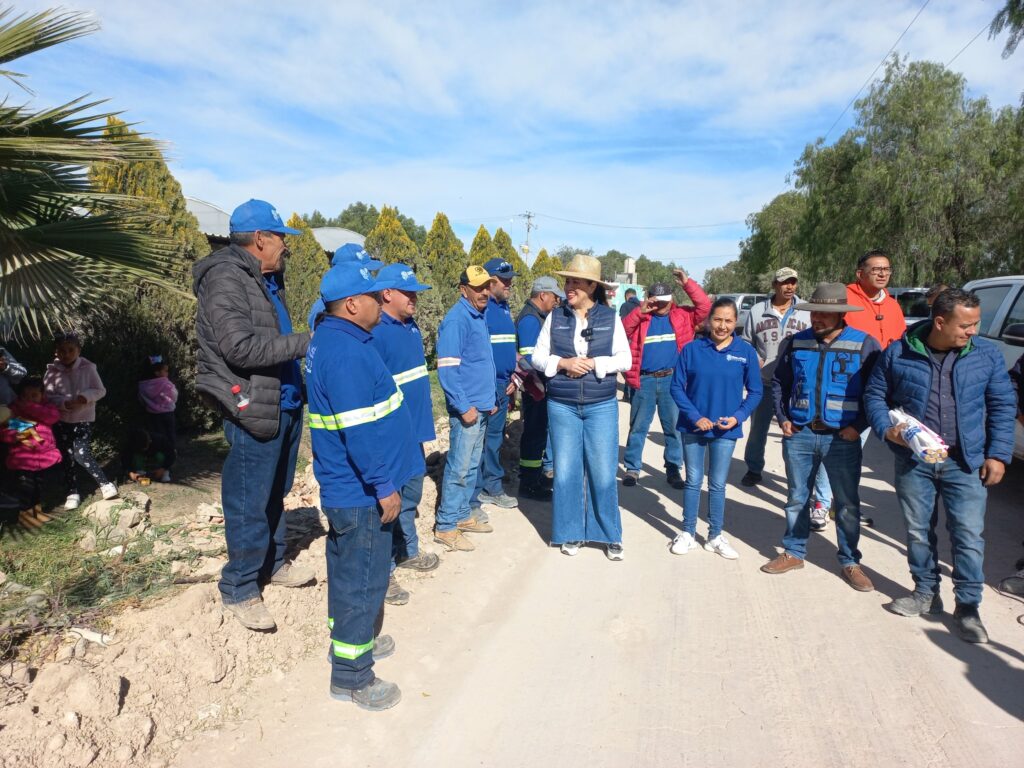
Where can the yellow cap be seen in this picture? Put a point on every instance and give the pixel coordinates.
(476, 276)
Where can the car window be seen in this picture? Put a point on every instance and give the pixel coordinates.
(748, 302)
(1016, 313)
(910, 302)
(991, 297)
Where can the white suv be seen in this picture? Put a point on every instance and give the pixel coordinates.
(1002, 323)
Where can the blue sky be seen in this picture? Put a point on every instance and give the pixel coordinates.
(637, 114)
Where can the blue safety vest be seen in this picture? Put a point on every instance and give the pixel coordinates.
(827, 382)
(586, 389)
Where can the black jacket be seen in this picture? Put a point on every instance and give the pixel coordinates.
(239, 340)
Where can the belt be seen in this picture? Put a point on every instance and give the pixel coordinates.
(658, 374)
(819, 426)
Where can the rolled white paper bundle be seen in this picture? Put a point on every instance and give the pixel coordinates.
(926, 445)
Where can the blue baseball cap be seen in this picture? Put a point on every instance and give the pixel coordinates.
(348, 279)
(259, 215)
(500, 268)
(354, 252)
(400, 277)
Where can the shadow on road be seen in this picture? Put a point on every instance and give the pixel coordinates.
(986, 669)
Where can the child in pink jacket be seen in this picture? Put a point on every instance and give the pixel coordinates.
(73, 385)
(159, 396)
(33, 448)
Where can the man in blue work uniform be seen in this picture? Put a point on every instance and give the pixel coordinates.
(350, 252)
(543, 298)
(363, 455)
(502, 331)
(400, 344)
(818, 388)
(465, 369)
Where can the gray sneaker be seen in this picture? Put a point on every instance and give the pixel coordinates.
(376, 696)
(478, 514)
(502, 500)
(252, 614)
(290, 575)
(915, 604)
(424, 561)
(396, 594)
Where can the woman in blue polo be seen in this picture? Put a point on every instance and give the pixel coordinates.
(716, 384)
(581, 347)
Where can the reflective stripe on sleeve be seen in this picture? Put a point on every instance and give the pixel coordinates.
(411, 375)
(356, 416)
(526, 350)
(530, 463)
(503, 338)
(444, 362)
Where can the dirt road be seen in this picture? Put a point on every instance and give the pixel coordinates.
(515, 655)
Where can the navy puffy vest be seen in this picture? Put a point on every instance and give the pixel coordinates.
(587, 389)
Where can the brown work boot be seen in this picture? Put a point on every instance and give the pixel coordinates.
(453, 541)
(291, 575)
(854, 576)
(252, 614)
(782, 563)
(472, 525)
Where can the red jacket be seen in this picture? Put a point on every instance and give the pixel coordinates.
(684, 321)
(32, 455)
(891, 327)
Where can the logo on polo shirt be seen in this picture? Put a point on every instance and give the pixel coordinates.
(734, 359)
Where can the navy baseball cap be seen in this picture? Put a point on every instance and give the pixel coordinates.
(500, 268)
(354, 252)
(259, 215)
(400, 277)
(348, 279)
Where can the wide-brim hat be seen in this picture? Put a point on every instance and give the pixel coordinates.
(586, 268)
(828, 297)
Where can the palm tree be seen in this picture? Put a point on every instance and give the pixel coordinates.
(61, 242)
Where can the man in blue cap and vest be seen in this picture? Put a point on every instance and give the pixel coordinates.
(363, 455)
(350, 252)
(248, 370)
(502, 331)
(400, 344)
(818, 388)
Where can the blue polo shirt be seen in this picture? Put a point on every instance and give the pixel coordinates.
(528, 332)
(502, 330)
(465, 363)
(401, 348)
(659, 345)
(362, 443)
(290, 373)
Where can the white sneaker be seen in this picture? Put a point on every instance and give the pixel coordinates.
(73, 501)
(571, 548)
(819, 517)
(108, 491)
(166, 478)
(614, 552)
(720, 545)
(682, 544)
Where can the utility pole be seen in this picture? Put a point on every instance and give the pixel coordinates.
(525, 247)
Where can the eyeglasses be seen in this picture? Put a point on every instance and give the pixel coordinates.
(880, 271)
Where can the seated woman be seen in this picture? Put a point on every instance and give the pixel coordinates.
(581, 347)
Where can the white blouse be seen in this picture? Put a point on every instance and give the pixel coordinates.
(621, 358)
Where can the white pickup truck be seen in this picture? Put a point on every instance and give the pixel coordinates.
(1002, 322)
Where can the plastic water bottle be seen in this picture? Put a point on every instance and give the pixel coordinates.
(241, 400)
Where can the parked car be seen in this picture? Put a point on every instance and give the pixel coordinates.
(913, 302)
(1002, 323)
(744, 301)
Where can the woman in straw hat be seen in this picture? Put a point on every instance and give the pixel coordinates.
(582, 346)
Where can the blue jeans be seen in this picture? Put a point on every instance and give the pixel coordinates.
(805, 452)
(653, 393)
(358, 552)
(963, 495)
(460, 471)
(719, 450)
(757, 437)
(490, 472)
(407, 541)
(586, 494)
(256, 477)
(549, 453)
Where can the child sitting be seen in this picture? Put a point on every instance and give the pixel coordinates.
(73, 385)
(33, 449)
(159, 396)
(147, 455)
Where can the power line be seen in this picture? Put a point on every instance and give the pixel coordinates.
(627, 226)
(969, 44)
(880, 63)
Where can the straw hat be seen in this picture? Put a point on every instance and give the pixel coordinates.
(586, 268)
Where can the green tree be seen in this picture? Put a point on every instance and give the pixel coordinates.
(1011, 18)
(443, 253)
(545, 265)
(482, 250)
(505, 250)
(315, 219)
(388, 242)
(305, 268)
(362, 218)
(62, 244)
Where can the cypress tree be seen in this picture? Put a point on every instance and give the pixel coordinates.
(388, 241)
(304, 270)
(482, 250)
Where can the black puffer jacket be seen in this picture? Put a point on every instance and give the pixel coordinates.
(239, 340)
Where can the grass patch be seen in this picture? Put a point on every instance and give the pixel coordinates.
(436, 394)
